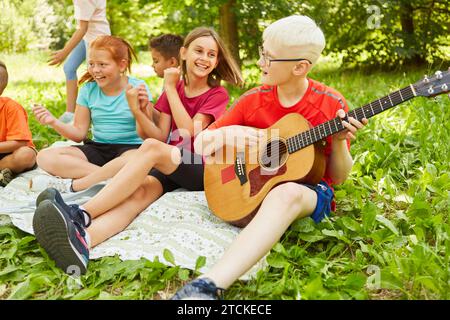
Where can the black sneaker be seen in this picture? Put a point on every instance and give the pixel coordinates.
(199, 289)
(54, 195)
(6, 176)
(60, 230)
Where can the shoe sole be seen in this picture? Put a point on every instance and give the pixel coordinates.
(52, 233)
(48, 194)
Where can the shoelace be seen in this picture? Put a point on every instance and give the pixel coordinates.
(80, 228)
(78, 216)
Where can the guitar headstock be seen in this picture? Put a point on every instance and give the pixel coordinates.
(433, 86)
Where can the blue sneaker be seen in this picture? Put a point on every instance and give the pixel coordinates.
(199, 289)
(76, 214)
(60, 230)
(53, 195)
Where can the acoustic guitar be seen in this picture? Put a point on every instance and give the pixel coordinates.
(237, 180)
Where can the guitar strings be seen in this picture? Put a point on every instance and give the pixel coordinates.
(301, 139)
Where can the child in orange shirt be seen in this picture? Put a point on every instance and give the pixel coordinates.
(17, 151)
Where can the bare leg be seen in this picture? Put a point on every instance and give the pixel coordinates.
(151, 154)
(118, 218)
(279, 209)
(109, 170)
(20, 160)
(72, 92)
(66, 162)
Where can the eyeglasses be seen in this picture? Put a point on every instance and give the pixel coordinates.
(268, 61)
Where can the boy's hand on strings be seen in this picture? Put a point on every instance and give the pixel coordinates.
(242, 136)
(57, 58)
(351, 126)
(132, 94)
(171, 77)
(44, 116)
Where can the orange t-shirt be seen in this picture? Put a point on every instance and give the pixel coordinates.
(14, 122)
(260, 108)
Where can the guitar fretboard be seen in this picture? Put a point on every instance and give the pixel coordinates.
(335, 125)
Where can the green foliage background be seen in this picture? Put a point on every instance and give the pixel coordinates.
(360, 32)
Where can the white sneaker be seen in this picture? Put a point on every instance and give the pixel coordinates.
(66, 117)
(42, 182)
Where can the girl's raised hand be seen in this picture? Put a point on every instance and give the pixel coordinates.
(132, 94)
(143, 97)
(171, 77)
(44, 116)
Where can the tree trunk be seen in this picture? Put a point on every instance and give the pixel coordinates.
(228, 28)
(409, 37)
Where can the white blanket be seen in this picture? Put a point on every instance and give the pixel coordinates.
(179, 221)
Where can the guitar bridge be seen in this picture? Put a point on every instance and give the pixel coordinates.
(239, 168)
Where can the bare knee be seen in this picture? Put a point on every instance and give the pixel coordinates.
(150, 145)
(47, 159)
(24, 158)
(289, 192)
(43, 157)
(290, 197)
(143, 192)
(140, 193)
(153, 149)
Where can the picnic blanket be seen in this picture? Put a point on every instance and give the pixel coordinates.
(179, 221)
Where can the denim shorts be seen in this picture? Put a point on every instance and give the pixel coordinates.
(325, 197)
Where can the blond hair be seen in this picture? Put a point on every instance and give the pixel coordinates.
(299, 34)
(227, 69)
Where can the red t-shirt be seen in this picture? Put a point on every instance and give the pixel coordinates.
(260, 108)
(14, 122)
(213, 102)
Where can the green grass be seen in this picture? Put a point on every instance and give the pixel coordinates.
(389, 239)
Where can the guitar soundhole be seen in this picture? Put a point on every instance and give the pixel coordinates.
(274, 154)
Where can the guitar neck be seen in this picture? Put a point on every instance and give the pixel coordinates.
(335, 125)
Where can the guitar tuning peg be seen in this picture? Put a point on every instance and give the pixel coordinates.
(425, 79)
(444, 87)
(430, 90)
(438, 74)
